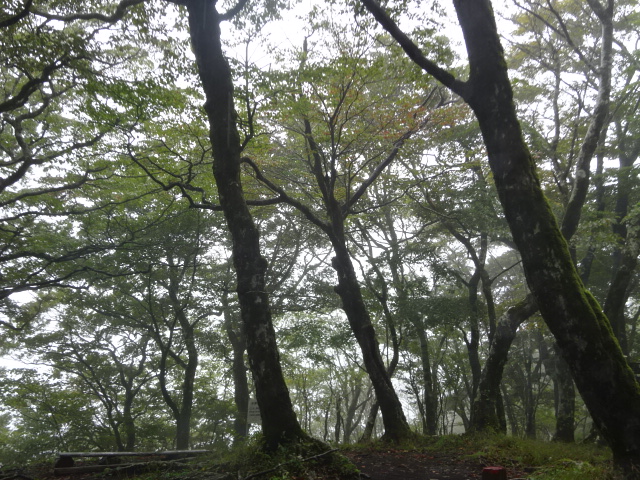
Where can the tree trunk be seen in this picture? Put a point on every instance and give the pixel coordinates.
(484, 413)
(581, 329)
(369, 426)
(348, 288)
(183, 421)
(183, 414)
(565, 400)
(128, 422)
(353, 416)
(473, 341)
(430, 399)
(279, 422)
(239, 370)
(510, 413)
(501, 413)
(338, 425)
(183, 430)
(240, 388)
(395, 424)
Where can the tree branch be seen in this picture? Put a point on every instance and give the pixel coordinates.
(120, 12)
(397, 145)
(284, 197)
(413, 51)
(232, 12)
(18, 16)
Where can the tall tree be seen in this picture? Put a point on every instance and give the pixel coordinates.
(342, 155)
(581, 329)
(279, 422)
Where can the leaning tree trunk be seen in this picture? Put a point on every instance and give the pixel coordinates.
(571, 218)
(348, 288)
(279, 422)
(396, 427)
(581, 329)
(484, 411)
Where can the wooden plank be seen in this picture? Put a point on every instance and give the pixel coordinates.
(86, 469)
(131, 454)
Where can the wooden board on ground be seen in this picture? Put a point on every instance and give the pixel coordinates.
(65, 464)
(130, 454)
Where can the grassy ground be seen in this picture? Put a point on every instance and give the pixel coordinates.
(536, 459)
(533, 460)
(541, 460)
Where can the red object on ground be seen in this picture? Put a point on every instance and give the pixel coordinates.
(494, 473)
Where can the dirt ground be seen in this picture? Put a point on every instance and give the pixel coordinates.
(403, 465)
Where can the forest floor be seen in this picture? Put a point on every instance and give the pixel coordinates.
(407, 465)
(374, 464)
(434, 458)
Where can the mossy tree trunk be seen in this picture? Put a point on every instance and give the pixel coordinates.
(279, 422)
(582, 331)
(484, 410)
(574, 199)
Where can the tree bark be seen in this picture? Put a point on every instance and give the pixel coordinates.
(430, 396)
(581, 329)
(279, 422)
(583, 332)
(190, 367)
(395, 424)
(565, 402)
(484, 410)
(473, 340)
(239, 370)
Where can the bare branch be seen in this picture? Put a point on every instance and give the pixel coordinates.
(382, 166)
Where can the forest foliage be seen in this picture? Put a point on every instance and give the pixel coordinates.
(119, 316)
